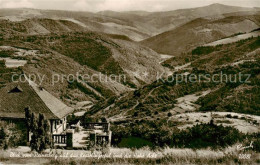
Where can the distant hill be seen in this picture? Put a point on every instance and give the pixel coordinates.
(200, 31)
(137, 25)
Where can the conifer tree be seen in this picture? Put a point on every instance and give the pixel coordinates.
(39, 127)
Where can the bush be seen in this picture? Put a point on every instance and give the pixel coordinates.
(208, 135)
(134, 142)
(6, 53)
(3, 137)
(11, 135)
(169, 114)
(201, 50)
(161, 133)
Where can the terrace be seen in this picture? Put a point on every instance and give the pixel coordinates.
(85, 136)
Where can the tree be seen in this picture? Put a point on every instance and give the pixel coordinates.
(103, 120)
(3, 136)
(39, 127)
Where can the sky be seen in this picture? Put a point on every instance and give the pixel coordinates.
(121, 5)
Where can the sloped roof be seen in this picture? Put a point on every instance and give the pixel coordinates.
(13, 101)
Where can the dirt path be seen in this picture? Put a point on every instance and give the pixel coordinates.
(165, 57)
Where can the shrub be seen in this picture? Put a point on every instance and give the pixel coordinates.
(228, 116)
(201, 50)
(11, 135)
(3, 136)
(169, 114)
(207, 135)
(134, 142)
(161, 134)
(6, 53)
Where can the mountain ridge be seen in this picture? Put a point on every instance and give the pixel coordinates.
(140, 25)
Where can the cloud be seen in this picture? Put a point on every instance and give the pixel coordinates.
(17, 4)
(81, 5)
(87, 5)
(120, 5)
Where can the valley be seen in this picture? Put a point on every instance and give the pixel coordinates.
(160, 79)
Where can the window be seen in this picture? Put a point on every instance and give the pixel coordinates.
(17, 89)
